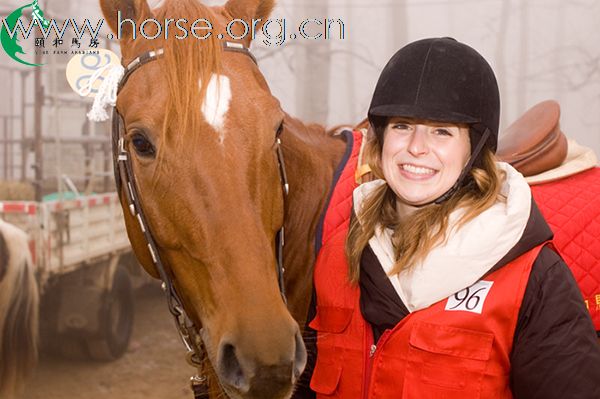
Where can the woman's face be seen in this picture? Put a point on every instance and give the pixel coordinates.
(421, 160)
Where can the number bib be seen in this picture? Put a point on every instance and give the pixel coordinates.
(471, 299)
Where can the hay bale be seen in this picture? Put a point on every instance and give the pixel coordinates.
(16, 191)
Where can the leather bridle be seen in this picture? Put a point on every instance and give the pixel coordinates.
(124, 175)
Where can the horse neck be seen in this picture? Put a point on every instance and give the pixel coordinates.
(311, 157)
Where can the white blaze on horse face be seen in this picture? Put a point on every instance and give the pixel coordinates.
(216, 103)
(154, 4)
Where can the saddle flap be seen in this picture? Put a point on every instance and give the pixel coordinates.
(547, 157)
(534, 143)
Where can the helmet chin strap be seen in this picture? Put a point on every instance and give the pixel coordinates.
(463, 174)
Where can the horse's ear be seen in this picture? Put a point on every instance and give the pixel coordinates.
(250, 9)
(134, 10)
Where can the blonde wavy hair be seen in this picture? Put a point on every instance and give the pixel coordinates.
(427, 227)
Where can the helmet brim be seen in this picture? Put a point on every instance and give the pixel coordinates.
(421, 112)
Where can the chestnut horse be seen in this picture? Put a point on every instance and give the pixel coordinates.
(201, 127)
(19, 301)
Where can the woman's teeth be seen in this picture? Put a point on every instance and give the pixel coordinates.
(419, 170)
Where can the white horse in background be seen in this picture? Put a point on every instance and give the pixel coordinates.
(19, 300)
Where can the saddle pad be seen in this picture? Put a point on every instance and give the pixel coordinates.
(579, 158)
(534, 143)
(571, 206)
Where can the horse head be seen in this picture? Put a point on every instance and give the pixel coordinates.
(201, 125)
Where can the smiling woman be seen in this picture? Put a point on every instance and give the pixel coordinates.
(422, 160)
(446, 283)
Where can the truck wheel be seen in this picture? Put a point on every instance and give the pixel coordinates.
(116, 320)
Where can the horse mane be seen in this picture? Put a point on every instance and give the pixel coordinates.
(186, 63)
(19, 300)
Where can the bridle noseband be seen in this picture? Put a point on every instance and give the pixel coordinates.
(124, 176)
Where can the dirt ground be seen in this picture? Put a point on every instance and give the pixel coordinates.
(153, 368)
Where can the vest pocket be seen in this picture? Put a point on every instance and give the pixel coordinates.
(325, 378)
(331, 319)
(330, 323)
(446, 362)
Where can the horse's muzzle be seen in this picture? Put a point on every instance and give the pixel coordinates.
(247, 376)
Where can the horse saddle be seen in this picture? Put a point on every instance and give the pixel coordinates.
(534, 143)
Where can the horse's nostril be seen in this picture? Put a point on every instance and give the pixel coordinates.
(231, 369)
(269, 373)
(300, 356)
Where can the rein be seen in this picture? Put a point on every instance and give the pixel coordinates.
(189, 333)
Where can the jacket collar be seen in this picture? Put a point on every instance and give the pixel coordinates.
(468, 254)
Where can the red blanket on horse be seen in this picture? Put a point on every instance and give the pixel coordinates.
(571, 206)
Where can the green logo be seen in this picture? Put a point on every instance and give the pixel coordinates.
(9, 41)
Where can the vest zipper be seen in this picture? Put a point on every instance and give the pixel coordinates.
(370, 358)
(373, 349)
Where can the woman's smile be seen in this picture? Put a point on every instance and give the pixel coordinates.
(421, 160)
(416, 172)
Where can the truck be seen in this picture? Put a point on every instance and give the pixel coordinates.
(56, 184)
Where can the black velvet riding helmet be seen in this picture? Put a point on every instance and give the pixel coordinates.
(443, 80)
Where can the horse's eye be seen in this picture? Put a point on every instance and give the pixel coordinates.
(142, 145)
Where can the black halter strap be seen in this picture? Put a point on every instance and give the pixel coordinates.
(124, 176)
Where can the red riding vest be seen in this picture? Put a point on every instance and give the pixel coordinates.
(448, 350)
(456, 348)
